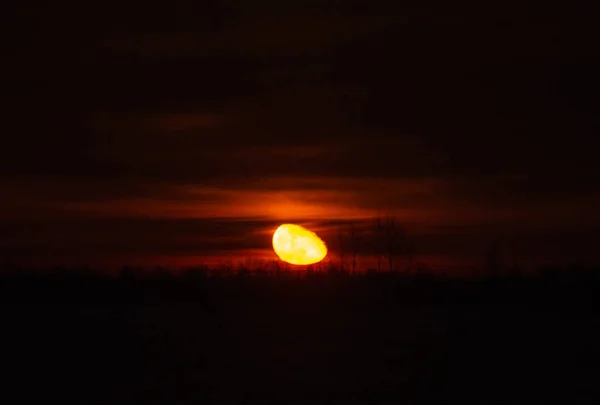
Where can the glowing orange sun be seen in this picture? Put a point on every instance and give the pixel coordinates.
(295, 244)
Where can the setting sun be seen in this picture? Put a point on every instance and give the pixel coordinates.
(295, 244)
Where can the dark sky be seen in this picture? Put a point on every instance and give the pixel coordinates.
(178, 134)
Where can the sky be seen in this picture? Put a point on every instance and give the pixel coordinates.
(184, 134)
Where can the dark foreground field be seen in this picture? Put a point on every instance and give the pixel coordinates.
(299, 341)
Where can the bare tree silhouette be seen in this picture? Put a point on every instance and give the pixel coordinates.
(391, 237)
(349, 245)
(388, 237)
(354, 242)
(377, 241)
(341, 247)
(493, 260)
(410, 252)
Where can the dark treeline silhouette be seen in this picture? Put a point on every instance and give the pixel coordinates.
(236, 335)
(549, 286)
(384, 238)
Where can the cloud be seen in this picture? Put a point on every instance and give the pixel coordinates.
(236, 113)
(161, 122)
(254, 36)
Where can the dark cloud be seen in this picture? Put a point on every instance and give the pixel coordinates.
(461, 114)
